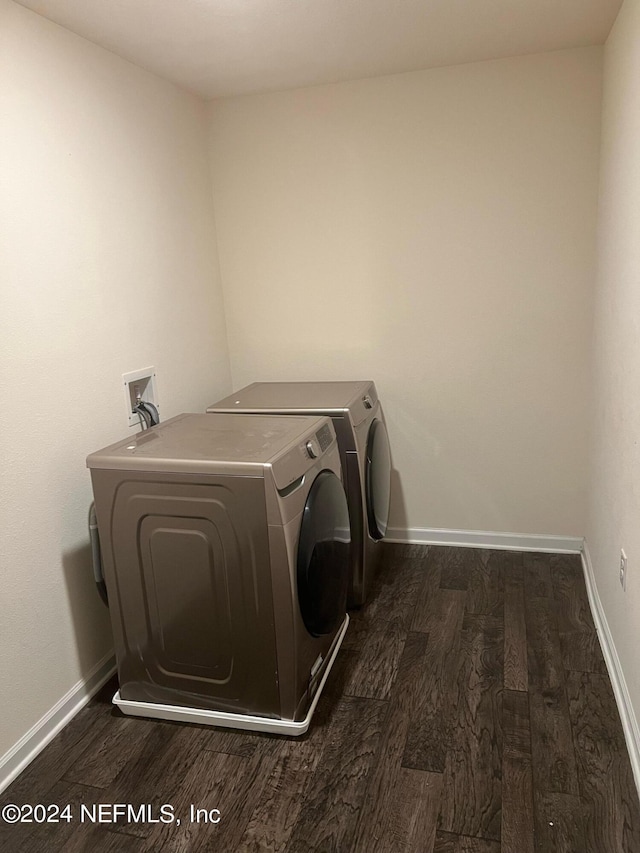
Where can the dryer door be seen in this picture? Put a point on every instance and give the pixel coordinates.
(378, 479)
(323, 555)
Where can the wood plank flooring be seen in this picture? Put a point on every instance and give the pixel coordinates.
(469, 711)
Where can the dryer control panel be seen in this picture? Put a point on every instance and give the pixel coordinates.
(322, 441)
(291, 467)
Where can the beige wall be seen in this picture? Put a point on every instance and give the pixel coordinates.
(107, 264)
(435, 231)
(614, 506)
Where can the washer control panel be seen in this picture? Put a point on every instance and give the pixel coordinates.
(312, 445)
(324, 437)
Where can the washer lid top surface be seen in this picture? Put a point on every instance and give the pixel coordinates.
(295, 397)
(207, 443)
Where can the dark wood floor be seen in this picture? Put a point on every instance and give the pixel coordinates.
(469, 712)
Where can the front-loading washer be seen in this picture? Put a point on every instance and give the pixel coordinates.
(357, 416)
(225, 543)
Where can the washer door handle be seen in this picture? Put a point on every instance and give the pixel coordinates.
(290, 489)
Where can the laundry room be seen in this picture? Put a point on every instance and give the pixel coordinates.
(440, 199)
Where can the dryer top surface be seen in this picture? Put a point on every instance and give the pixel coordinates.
(295, 397)
(208, 443)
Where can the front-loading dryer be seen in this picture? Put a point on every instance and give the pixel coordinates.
(357, 416)
(225, 543)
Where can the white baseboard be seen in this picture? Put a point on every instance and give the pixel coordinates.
(485, 539)
(34, 741)
(614, 667)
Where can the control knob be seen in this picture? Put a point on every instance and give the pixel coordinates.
(312, 449)
(368, 402)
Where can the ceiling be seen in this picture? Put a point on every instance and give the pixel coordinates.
(229, 47)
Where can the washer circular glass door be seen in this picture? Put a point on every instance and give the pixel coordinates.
(323, 555)
(378, 479)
